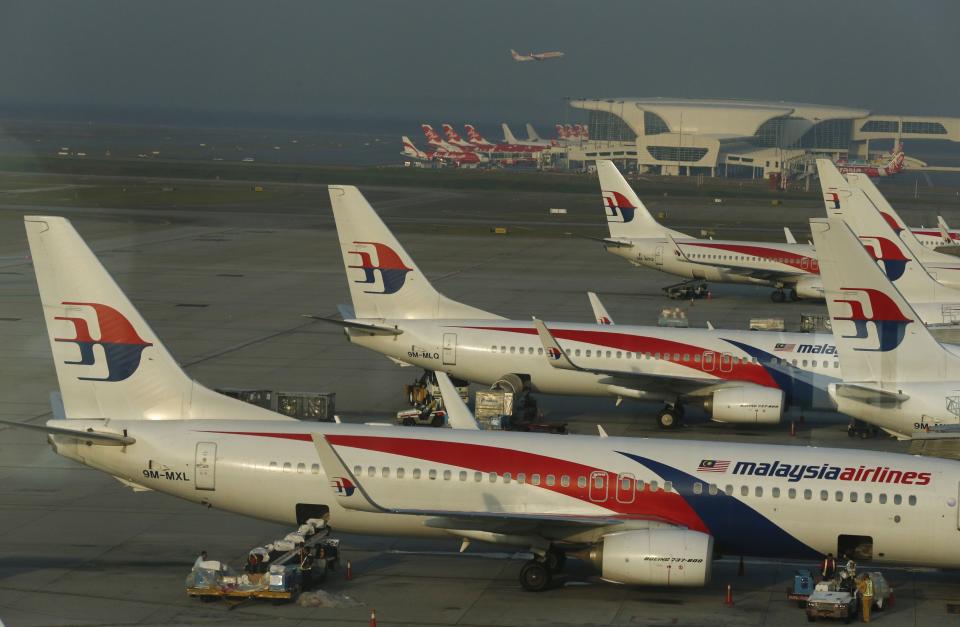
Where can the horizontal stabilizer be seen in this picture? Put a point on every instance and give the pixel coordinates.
(87, 436)
(458, 414)
(870, 395)
(372, 329)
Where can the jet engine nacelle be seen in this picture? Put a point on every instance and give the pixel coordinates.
(753, 404)
(810, 287)
(655, 557)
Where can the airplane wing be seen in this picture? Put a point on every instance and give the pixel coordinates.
(692, 386)
(789, 235)
(458, 414)
(767, 274)
(88, 436)
(371, 329)
(606, 241)
(552, 526)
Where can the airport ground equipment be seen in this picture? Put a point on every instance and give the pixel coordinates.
(802, 587)
(278, 576)
(688, 290)
(766, 324)
(320, 406)
(824, 602)
(673, 317)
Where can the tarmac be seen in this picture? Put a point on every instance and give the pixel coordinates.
(226, 288)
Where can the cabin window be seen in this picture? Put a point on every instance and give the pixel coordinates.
(535, 479)
(478, 476)
(807, 494)
(814, 363)
(577, 352)
(838, 495)
(301, 468)
(521, 477)
(400, 473)
(824, 495)
(513, 349)
(385, 472)
(493, 477)
(853, 497)
(686, 357)
(676, 357)
(540, 351)
(640, 485)
(432, 474)
(629, 355)
(273, 466)
(758, 491)
(507, 477)
(598, 482)
(776, 493)
(668, 486)
(315, 469)
(416, 473)
(698, 488)
(463, 475)
(883, 499)
(867, 497)
(897, 499)
(744, 490)
(712, 489)
(446, 475)
(912, 500)
(804, 363)
(619, 354)
(287, 467)
(581, 482)
(521, 350)
(503, 349)
(728, 490)
(696, 358)
(564, 481)
(653, 486)
(792, 493)
(493, 349)
(551, 480)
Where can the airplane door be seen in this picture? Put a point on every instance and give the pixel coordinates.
(599, 485)
(450, 349)
(658, 256)
(626, 491)
(726, 362)
(205, 466)
(709, 361)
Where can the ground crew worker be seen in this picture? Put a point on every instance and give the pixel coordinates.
(201, 558)
(851, 568)
(306, 567)
(828, 567)
(865, 586)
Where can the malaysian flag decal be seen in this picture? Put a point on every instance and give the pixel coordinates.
(784, 347)
(713, 465)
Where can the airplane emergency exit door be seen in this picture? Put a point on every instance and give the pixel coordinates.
(205, 466)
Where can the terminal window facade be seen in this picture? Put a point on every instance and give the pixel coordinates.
(925, 128)
(605, 126)
(880, 126)
(676, 153)
(892, 126)
(653, 124)
(832, 134)
(770, 133)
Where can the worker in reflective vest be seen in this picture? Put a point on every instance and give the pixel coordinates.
(866, 596)
(828, 567)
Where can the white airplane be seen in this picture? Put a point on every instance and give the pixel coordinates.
(944, 268)
(645, 512)
(935, 303)
(896, 375)
(535, 56)
(740, 376)
(637, 237)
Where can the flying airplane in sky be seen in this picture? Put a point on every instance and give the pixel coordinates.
(896, 375)
(644, 512)
(637, 237)
(535, 56)
(457, 157)
(738, 375)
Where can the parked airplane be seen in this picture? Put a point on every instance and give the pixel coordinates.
(892, 167)
(944, 268)
(457, 157)
(534, 138)
(510, 139)
(436, 142)
(739, 376)
(455, 140)
(535, 56)
(637, 237)
(644, 512)
(896, 375)
(935, 303)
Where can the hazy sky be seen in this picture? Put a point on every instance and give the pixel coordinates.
(449, 59)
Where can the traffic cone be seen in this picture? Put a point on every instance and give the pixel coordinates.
(729, 600)
(740, 570)
(349, 570)
(793, 428)
(373, 617)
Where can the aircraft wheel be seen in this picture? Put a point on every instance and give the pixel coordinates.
(778, 296)
(668, 418)
(534, 576)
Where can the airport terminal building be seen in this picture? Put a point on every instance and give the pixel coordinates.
(738, 137)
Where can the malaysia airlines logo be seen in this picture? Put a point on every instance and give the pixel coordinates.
(889, 321)
(604, 320)
(122, 346)
(343, 486)
(554, 353)
(890, 255)
(618, 208)
(388, 265)
(832, 198)
(892, 222)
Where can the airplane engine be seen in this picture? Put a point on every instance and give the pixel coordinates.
(753, 404)
(810, 287)
(655, 557)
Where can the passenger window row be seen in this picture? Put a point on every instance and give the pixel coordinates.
(301, 467)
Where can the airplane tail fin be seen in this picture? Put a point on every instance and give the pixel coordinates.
(474, 135)
(586, 131)
(532, 133)
(451, 134)
(109, 362)
(432, 136)
(411, 150)
(561, 132)
(508, 134)
(383, 279)
(879, 337)
(626, 214)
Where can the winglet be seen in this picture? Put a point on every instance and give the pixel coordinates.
(350, 494)
(676, 247)
(602, 432)
(789, 235)
(459, 415)
(555, 355)
(599, 311)
(944, 230)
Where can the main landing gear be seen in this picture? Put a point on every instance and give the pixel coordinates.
(779, 295)
(537, 574)
(670, 416)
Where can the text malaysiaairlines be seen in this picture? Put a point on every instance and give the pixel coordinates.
(795, 472)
